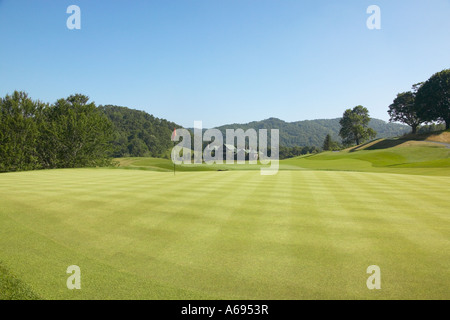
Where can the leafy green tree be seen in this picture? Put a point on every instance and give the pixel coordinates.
(354, 126)
(433, 127)
(433, 98)
(404, 109)
(19, 132)
(77, 134)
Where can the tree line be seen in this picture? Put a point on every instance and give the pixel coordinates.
(75, 133)
(70, 133)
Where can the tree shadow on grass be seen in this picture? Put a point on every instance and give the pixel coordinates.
(385, 144)
(378, 144)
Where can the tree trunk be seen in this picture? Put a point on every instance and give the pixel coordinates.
(414, 129)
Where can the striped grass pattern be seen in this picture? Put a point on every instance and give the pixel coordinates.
(226, 235)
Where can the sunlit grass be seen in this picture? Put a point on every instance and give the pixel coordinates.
(301, 234)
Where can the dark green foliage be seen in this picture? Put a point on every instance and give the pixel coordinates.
(71, 133)
(355, 126)
(327, 143)
(433, 98)
(12, 288)
(76, 134)
(434, 127)
(20, 122)
(404, 109)
(139, 134)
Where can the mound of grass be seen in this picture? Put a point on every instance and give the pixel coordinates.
(441, 136)
(382, 156)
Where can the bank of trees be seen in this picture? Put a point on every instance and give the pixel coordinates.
(427, 102)
(68, 134)
(73, 132)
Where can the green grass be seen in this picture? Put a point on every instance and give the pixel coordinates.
(423, 160)
(227, 232)
(433, 159)
(12, 288)
(166, 165)
(300, 234)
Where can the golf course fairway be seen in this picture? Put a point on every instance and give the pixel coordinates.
(300, 234)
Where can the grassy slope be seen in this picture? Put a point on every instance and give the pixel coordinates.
(388, 156)
(296, 235)
(165, 165)
(422, 160)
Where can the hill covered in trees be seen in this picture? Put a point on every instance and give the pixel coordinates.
(313, 132)
(137, 133)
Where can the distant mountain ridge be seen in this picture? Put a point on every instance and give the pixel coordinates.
(139, 134)
(313, 132)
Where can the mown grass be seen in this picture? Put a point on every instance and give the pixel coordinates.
(300, 234)
(12, 288)
(308, 232)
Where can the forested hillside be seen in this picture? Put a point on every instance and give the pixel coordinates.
(313, 132)
(137, 133)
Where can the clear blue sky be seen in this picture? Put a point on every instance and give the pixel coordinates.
(224, 61)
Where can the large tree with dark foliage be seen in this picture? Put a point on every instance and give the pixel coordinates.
(354, 126)
(77, 134)
(404, 109)
(71, 133)
(433, 98)
(20, 123)
(313, 132)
